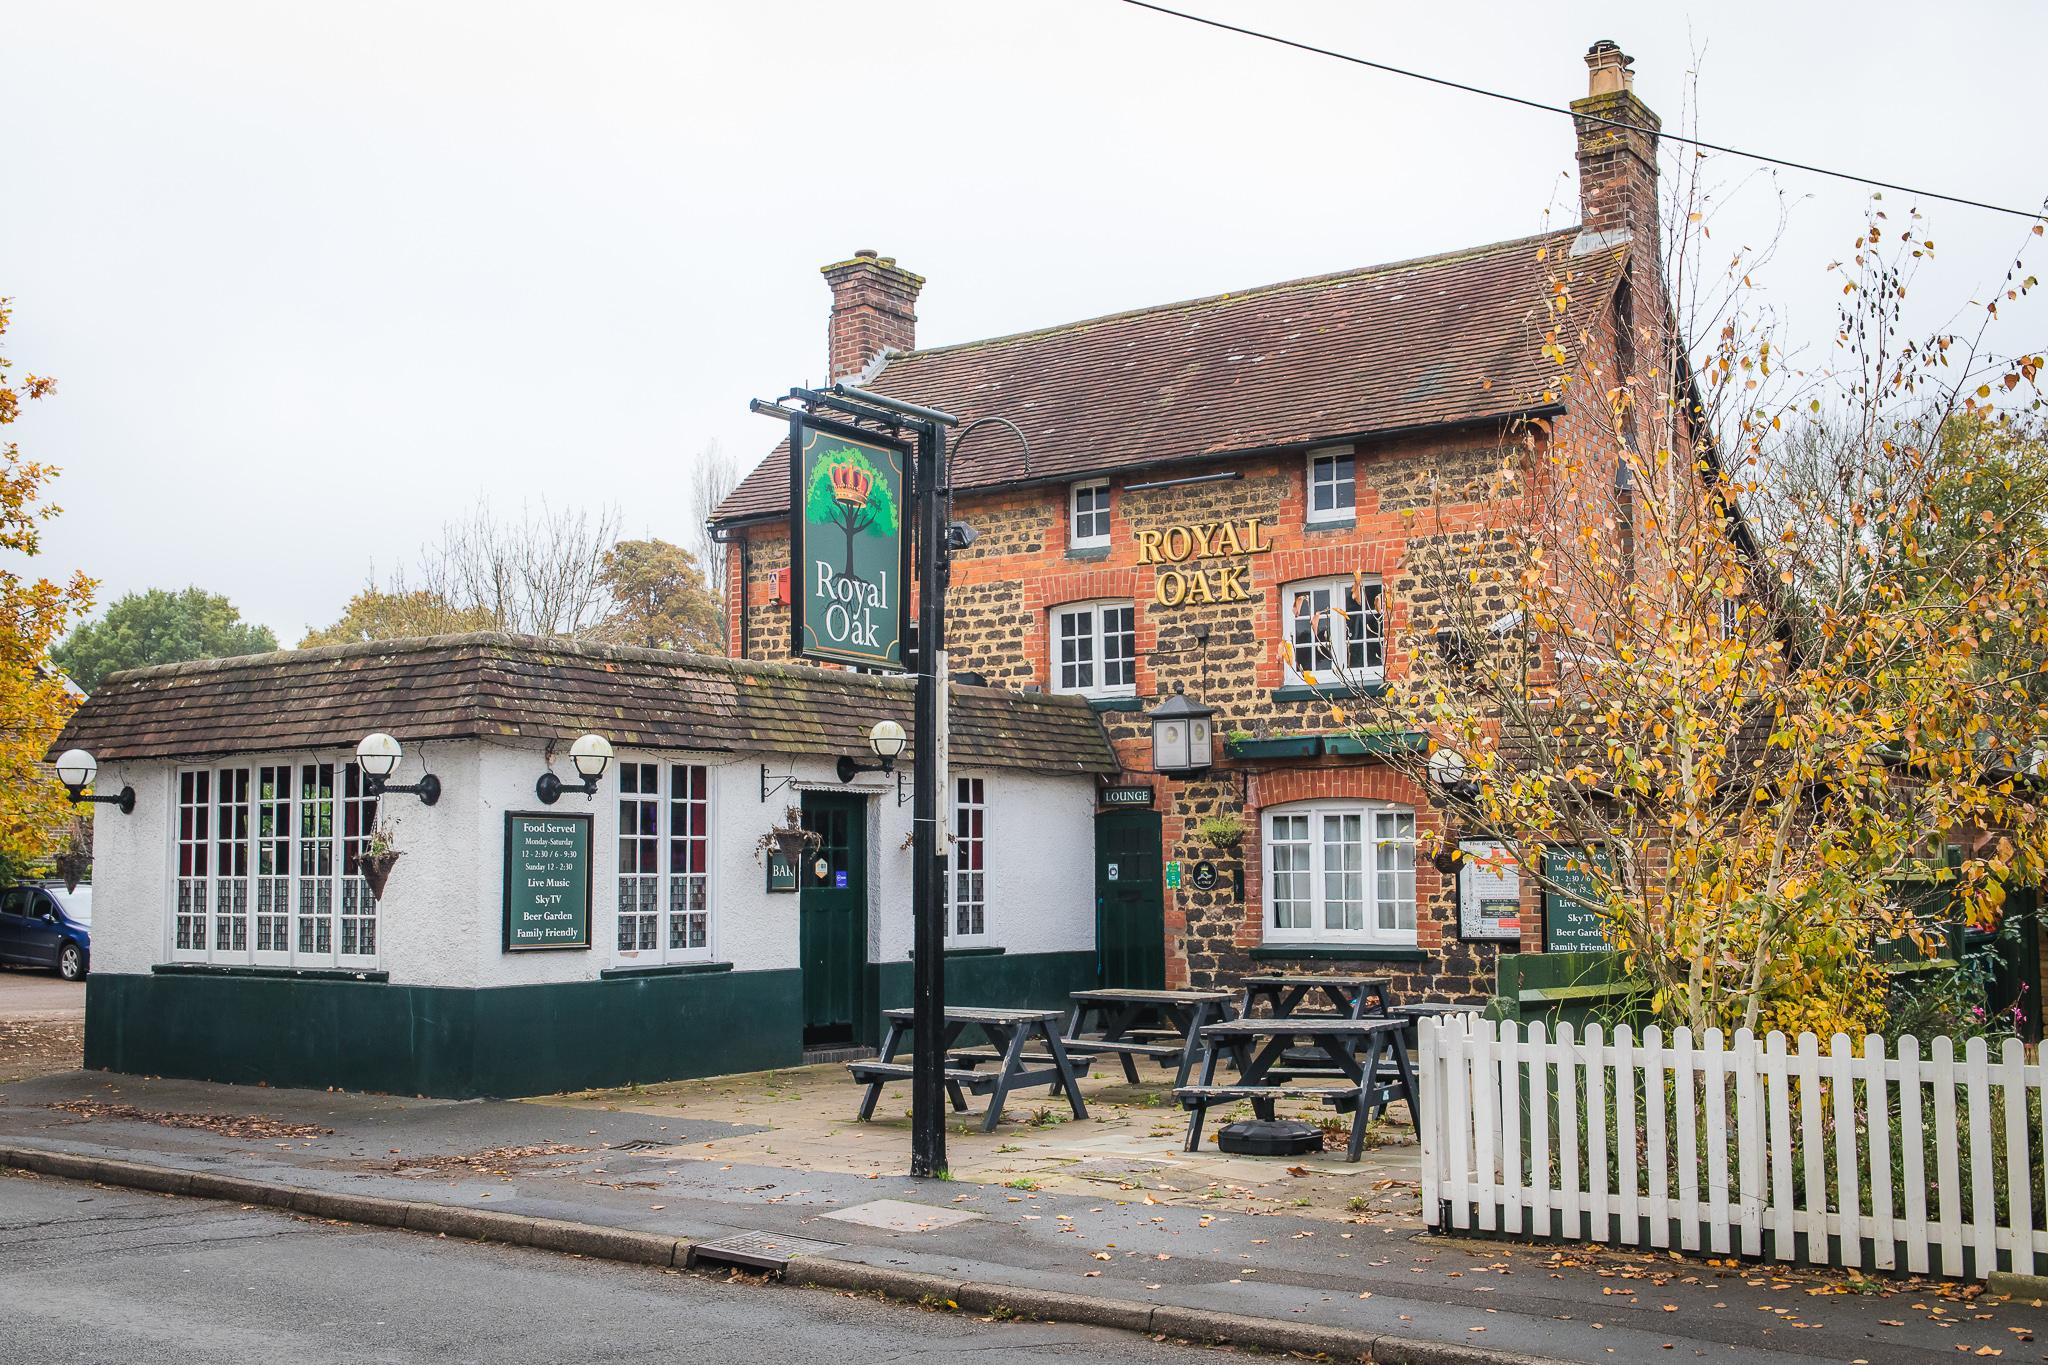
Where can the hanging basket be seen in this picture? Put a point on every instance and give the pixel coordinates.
(376, 870)
(791, 843)
(72, 867)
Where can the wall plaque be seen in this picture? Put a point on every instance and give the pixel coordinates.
(547, 881)
(1489, 893)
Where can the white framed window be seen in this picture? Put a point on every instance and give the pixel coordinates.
(969, 859)
(1728, 617)
(267, 866)
(1088, 515)
(664, 891)
(1095, 649)
(1340, 872)
(1332, 484)
(1334, 628)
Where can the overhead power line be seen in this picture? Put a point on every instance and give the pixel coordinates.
(2032, 214)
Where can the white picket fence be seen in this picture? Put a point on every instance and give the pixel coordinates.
(1744, 1148)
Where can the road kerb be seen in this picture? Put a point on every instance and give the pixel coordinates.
(2008, 1284)
(645, 1248)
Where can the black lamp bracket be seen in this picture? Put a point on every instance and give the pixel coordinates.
(850, 768)
(427, 789)
(124, 800)
(550, 788)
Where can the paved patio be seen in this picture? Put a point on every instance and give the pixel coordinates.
(1130, 1142)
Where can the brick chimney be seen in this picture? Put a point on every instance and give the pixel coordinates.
(1617, 166)
(873, 310)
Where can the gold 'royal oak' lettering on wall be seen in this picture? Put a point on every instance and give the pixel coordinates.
(1202, 540)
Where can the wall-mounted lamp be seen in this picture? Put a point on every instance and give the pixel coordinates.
(76, 769)
(591, 754)
(887, 740)
(1183, 735)
(378, 756)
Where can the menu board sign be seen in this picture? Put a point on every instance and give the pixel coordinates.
(547, 882)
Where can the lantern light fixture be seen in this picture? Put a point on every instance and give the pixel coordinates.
(76, 769)
(888, 740)
(1183, 735)
(379, 755)
(590, 755)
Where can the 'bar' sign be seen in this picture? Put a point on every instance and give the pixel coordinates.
(547, 882)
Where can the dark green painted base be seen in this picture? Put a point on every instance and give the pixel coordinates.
(1009, 981)
(453, 1044)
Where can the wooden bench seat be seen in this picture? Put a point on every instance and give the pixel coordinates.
(980, 1082)
(974, 1056)
(1163, 1051)
(1191, 1095)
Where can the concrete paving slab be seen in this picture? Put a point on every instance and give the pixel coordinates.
(895, 1215)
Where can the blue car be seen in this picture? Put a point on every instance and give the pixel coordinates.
(47, 926)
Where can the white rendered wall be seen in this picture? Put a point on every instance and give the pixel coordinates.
(441, 918)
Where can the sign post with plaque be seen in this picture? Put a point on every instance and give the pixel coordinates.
(547, 882)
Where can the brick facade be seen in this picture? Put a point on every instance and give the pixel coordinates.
(1424, 501)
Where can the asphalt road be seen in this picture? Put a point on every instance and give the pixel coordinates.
(90, 1275)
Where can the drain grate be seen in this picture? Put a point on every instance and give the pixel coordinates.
(758, 1250)
(639, 1145)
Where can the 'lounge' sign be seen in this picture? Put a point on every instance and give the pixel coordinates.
(1203, 540)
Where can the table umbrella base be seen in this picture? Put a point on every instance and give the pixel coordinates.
(1269, 1137)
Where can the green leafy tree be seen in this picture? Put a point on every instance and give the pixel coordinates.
(660, 599)
(399, 614)
(159, 627)
(823, 503)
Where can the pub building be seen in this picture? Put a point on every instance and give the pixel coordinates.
(588, 887)
(1221, 499)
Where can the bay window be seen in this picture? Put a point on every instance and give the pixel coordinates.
(664, 899)
(266, 860)
(1340, 872)
(1095, 649)
(1335, 630)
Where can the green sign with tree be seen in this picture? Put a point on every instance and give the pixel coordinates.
(850, 551)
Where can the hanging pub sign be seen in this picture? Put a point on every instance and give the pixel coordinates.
(547, 881)
(849, 545)
(1489, 893)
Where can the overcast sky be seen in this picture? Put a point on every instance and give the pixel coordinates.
(314, 277)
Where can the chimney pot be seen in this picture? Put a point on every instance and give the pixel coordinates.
(1608, 69)
(866, 253)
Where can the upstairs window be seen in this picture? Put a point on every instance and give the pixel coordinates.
(1095, 649)
(1334, 629)
(1332, 485)
(1088, 523)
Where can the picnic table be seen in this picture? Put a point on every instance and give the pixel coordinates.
(1351, 997)
(1008, 1031)
(1350, 1051)
(1165, 1026)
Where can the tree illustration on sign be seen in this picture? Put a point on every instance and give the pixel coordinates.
(847, 491)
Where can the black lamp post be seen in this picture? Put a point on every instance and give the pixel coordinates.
(76, 769)
(378, 755)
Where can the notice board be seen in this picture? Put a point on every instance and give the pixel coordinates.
(547, 881)
(1571, 922)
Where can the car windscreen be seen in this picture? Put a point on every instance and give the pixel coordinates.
(77, 905)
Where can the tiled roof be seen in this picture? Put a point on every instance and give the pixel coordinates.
(518, 687)
(1445, 339)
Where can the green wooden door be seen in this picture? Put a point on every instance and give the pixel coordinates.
(1130, 915)
(833, 938)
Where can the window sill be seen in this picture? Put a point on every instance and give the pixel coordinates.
(969, 951)
(1090, 553)
(664, 969)
(1331, 523)
(1326, 691)
(274, 973)
(1336, 952)
(1117, 703)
